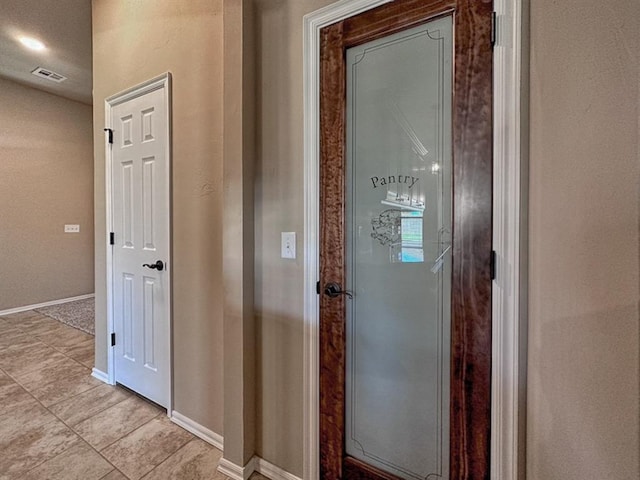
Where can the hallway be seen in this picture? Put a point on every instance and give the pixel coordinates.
(58, 422)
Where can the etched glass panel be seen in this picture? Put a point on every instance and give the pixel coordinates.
(399, 91)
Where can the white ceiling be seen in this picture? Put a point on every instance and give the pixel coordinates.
(64, 26)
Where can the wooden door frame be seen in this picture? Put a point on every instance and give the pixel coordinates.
(161, 82)
(509, 233)
(471, 282)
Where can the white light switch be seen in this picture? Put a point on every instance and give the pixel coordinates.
(72, 229)
(288, 245)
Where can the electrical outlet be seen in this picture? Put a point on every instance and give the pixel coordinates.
(72, 229)
(288, 245)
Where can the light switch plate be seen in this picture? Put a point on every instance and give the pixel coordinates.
(72, 229)
(288, 245)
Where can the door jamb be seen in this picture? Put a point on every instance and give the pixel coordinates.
(509, 234)
(162, 81)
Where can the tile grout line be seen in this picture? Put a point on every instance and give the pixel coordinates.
(49, 383)
(66, 324)
(56, 418)
(174, 453)
(116, 470)
(85, 441)
(132, 431)
(99, 452)
(128, 433)
(71, 346)
(171, 454)
(53, 381)
(37, 338)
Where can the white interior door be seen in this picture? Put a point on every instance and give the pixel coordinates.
(141, 267)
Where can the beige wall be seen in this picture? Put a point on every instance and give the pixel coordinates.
(279, 204)
(133, 41)
(583, 397)
(46, 181)
(584, 285)
(583, 369)
(238, 236)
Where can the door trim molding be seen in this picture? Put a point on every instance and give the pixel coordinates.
(159, 82)
(508, 310)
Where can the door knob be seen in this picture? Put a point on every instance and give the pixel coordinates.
(159, 265)
(333, 290)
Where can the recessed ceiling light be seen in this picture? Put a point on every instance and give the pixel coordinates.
(32, 43)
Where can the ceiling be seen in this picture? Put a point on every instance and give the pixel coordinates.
(64, 26)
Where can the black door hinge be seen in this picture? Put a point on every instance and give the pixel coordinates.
(113, 339)
(110, 134)
(494, 27)
(112, 238)
(318, 288)
(492, 265)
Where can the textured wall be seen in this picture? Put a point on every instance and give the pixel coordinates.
(583, 397)
(584, 359)
(238, 237)
(280, 208)
(46, 181)
(133, 41)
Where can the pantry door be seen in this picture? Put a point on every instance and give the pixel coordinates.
(405, 229)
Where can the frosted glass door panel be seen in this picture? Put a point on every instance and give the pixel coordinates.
(399, 92)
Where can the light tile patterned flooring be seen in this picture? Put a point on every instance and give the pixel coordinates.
(58, 422)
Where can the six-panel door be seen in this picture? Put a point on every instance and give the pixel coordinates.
(140, 177)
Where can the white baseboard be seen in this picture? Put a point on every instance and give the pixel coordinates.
(198, 430)
(45, 304)
(236, 472)
(269, 470)
(230, 469)
(256, 464)
(100, 375)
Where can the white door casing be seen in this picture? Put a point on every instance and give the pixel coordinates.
(138, 199)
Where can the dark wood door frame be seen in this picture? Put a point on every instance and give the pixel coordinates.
(470, 413)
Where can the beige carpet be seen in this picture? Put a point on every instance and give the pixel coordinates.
(79, 314)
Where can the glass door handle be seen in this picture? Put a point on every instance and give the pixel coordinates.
(333, 290)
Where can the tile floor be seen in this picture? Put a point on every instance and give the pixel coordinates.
(58, 422)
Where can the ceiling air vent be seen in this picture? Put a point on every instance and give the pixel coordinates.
(49, 75)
